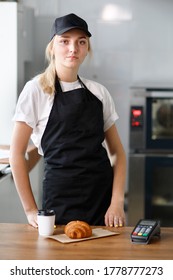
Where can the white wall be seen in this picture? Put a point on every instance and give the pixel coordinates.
(15, 51)
(8, 59)
(152, 40)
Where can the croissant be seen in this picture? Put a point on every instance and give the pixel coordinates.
(78, 229)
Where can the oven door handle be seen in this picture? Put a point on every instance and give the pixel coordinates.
(162, 94)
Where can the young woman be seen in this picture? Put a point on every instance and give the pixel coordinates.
(68, 118)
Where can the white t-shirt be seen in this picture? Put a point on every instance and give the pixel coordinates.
(34, 106)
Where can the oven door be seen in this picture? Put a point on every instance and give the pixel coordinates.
(150, 192)
(159, 123)
(159, 188)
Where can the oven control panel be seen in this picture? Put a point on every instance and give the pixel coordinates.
(136, 118)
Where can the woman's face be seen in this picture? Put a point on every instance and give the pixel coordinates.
(70, 48)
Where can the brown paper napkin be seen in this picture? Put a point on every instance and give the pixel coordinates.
(96, 233)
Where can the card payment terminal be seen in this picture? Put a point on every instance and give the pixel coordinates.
(144, 231)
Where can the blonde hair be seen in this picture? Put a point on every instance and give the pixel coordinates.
(47, 78)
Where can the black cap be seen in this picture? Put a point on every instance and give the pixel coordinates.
(68, 22)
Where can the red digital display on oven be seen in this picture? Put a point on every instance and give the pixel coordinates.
(136, 116)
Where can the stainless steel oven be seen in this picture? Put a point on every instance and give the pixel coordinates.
(151, 120)
(150, 191)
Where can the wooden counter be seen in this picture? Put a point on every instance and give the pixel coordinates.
(21, 241)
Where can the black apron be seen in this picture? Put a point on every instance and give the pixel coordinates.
(78, 176)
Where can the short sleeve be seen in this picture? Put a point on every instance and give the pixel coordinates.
(109, 113)
(26, 108)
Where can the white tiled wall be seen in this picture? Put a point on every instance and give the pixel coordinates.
(135, 45)
(152, 40)
(42, 7)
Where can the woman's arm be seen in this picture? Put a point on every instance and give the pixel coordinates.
(18, 163)
(115, 214)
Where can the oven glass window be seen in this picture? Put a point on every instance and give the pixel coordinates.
(162, 118)
(159, 191)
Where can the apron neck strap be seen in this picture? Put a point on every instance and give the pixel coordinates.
(57, 85)
(80, 81)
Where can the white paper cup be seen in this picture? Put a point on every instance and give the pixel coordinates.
(46, 222)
